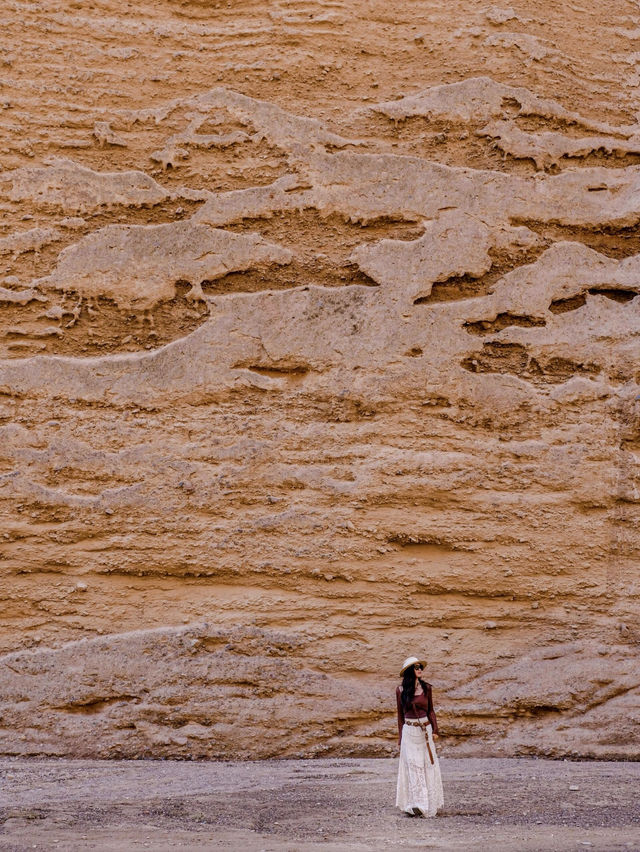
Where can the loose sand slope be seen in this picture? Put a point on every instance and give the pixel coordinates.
(319, 346)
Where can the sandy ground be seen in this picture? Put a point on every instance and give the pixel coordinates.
(515, 804)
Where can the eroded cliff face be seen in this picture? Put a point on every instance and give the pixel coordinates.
(319, 347)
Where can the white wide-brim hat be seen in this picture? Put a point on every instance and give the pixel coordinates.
(411, 661)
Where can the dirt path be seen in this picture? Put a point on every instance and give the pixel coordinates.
(315, 805)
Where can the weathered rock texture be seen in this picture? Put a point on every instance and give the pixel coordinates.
(319, 347)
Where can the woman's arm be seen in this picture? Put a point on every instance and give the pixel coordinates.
(431, 713)
(400, 713)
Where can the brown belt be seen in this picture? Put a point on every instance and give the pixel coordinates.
(424, 728)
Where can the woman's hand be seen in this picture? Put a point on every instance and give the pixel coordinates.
(436, 736)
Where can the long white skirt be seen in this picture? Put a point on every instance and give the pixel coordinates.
(419, 780)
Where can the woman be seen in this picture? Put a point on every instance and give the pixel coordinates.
(419, 791)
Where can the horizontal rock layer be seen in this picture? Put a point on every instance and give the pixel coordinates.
(317, 351)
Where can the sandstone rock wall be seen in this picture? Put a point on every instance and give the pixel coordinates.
(319, 346)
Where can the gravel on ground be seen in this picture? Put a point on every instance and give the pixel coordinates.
(529, 805)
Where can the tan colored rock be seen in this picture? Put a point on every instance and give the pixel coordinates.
(594, 677)
(553, 285)
(547, 149)
(497, 15)
(21, 297)
(366, 187)
(283, 195)
(478, 99)
(531, 46)
(103, 132)
(453, 245)
(279, 126)
(148, 671)
(71, 187)
(32, 240)
(327, 389)
(138, 265)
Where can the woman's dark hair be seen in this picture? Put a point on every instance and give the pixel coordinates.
(409, 687)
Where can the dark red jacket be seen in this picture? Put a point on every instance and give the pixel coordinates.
(421, 708)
